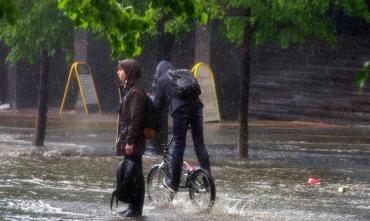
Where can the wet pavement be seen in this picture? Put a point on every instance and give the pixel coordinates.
(72, 176)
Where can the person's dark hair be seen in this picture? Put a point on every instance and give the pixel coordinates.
(132, 69)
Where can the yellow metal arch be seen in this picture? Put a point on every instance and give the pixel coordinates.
(74, 70)
(194, 70)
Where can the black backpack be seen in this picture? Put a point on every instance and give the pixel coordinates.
(184, 84)
(124, 180)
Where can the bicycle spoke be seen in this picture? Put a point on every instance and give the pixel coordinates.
(201, 190)
(156, 191)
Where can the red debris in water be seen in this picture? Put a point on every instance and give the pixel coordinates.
(313, 181)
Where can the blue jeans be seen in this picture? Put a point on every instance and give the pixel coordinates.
(183, 117)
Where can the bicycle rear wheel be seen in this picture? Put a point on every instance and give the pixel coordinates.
(155, 189)
(202, 190)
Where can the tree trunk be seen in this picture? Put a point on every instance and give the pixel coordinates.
(40, 126)
(244, 97)
(164, 43)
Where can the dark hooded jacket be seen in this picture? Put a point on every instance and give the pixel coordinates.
(131, 119)
(164, 93)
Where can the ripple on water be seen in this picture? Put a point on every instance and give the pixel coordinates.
(15, 142)
(35, 210)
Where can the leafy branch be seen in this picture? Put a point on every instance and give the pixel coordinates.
(123, 24)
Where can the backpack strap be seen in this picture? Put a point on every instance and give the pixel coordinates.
(124, 98)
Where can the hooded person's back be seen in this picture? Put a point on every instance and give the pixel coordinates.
(161, 69)
(164, 94)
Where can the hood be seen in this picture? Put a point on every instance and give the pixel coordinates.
(162, 68)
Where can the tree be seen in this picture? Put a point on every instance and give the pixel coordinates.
(37, 35)
(123, 25)
(255, 22)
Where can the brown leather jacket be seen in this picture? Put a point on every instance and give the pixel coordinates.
(131, 120)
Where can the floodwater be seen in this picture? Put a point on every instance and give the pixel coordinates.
(72, 177)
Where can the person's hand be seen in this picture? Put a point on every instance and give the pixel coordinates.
(129, 149)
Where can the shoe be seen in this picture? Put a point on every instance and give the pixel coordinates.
(132, 213)
(123, 212)
(168, 185)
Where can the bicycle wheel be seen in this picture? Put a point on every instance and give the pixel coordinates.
(155, 189)
(202, 190)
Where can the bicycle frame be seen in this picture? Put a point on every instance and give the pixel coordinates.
(194, 179)
(166, 165)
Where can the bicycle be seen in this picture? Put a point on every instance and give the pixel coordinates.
(197, 181)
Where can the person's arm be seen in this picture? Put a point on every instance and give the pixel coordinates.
(137, 116)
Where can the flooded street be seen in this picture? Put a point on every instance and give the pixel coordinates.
(72, 177)
(78, 77)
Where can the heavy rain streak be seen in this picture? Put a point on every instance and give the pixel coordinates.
(267, 102)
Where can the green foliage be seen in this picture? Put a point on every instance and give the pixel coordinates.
(124, 22)
(139, 5)
(9, 9)
(281, 21)
(193, 9)
(122, 25)
(290, 21)
(186, 20)
(363, 75)
(287, 21)
(234, 33)
(41, 26)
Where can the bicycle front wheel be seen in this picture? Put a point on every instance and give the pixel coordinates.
(202, 190)
(155, 189)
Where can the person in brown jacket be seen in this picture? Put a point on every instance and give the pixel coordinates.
(130, 131)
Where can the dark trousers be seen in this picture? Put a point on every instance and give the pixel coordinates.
(183, 117)
(137, 187)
